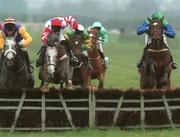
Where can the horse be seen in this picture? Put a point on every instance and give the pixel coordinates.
(14, 71)
(56, 67)
(79, 68)
(157, 65)
(97, 70)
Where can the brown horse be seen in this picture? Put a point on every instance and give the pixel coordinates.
(157, 65)
(97, 70)
(79, 69)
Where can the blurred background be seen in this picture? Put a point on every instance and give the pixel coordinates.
(120, 17)
(114, 14)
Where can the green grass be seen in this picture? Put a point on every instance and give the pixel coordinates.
(124, 52)
(98, 133)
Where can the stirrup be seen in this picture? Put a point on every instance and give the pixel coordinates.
(139, 64)
(174, 65)
(30, 68)
(106, 61)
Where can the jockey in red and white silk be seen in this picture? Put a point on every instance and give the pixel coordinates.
(62, 22)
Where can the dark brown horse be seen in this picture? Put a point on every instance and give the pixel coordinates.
(56, 67)
(157, 66)
(97, 70)
(80, 68)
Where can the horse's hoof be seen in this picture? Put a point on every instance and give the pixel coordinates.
(69, 87)
(44, 89)
(93, 88)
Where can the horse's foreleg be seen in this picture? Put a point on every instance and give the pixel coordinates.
(101, 80)
(165, 80)
(87, 81)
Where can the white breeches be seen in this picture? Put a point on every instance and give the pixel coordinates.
(148, 40)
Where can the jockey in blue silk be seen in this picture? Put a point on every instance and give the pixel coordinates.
(168, 31)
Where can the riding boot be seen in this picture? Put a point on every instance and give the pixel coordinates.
(40, 60)
(86, 62)
(28, 62)
(105, 59)
(1, 62)
(174, 65)
(140, 63)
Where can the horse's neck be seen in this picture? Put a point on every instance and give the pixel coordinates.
(19, 61)
(157, 44)
(94, 53)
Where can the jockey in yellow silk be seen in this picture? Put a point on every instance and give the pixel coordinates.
(10, 28)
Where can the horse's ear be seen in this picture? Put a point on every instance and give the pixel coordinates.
(149, 19)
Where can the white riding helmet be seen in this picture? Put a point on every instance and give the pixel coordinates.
(80, 27)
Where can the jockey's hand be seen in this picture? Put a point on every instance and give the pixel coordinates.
(74, 61)
(20, 46)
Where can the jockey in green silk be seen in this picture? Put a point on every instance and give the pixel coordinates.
(168, 31)
(83, 38)
(102, 38)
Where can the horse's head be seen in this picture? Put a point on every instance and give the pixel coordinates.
(10, 51)
(156, 29)
(51, 58)
(51, 53)
(76, 44)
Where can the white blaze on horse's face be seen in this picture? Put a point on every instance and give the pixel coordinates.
(10, 51)
(51, 57)
(155, 24)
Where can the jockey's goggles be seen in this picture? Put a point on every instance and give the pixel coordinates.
(56, 28)
(10, 27)
(98, 28)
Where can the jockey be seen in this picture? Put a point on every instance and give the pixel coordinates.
(102, 38)
(55, 25)
(169, 32)
(86, 44)
(11, 29)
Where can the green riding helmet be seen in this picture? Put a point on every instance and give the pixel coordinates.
(157, 15)
(97, 25)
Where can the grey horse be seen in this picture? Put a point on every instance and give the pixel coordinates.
(14, 71)
(56, 65)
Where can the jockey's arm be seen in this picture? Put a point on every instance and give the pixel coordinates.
(2, 40)
(104, 35)
(169, 32)
(142, 28)
(45, 34)
(69, 35)
(26, 36)
(72, 21)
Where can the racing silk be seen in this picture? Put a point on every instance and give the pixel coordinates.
(102, 34)
(169, 32)
(68, 20)
(86, 39)
(20, 34)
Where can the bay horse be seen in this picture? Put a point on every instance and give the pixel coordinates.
(56, 67)
(14, 71)
(157, 65)
(80, 68)
(97, 70)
